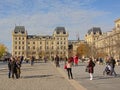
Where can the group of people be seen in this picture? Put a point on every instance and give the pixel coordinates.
(14, 65)
(110, 65)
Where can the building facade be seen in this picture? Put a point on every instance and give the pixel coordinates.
(91, 37)
(39, 46)
(106, 43)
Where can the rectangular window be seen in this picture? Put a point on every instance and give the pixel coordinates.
(52, 47)
(15, 42)
(15, 47)
(28, 42)
(40, 47)
(15, 38)
(15, 53)
(28, 47)
(33, 47)
(33, 42)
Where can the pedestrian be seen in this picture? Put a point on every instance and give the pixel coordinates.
(76, 60)
(14, 68)
(112, 63)
(9, 68)
(69, 68)
(32, 60)
(57, 59)
(21, 59)
(18, 67)
(45, 59)
(90, 67)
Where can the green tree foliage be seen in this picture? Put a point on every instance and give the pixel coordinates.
(2, 49)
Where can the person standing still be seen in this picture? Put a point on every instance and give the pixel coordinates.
(90, 66)
(9, 68)
(32, 60)
(69, 68)
(57, 59)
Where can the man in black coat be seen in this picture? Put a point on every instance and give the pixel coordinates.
(112, 63)
(9, 68)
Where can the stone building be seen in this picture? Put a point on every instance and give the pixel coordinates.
(39, 46)
(105, 43)
(91, 37)
(109, 42)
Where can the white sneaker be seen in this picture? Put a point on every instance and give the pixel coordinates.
(91, 79)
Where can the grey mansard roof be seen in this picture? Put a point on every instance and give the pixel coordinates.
(95, 30)
(19, 29)
(60, 29)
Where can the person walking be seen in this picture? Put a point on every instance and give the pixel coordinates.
(57, 59)
(69, 68)
(90, 67)
(76, 60)
(112, 63)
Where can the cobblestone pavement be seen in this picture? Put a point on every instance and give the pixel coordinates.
(41, 76)
(100, 82)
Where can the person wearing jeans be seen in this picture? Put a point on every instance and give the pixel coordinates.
(69, 68)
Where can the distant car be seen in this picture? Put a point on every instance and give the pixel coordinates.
(117, 62)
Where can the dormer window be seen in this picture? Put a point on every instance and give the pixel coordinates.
(64, 32)
(58, 32)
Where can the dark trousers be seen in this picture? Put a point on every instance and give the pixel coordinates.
(14, 72)
(69, 70)
(9, 74)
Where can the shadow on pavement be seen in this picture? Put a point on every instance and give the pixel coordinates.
(37, 76)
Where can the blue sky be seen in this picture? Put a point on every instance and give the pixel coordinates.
(41, 17)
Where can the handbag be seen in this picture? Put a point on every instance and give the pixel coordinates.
(87, 69)
(65, 67)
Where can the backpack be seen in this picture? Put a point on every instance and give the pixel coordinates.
(93, 64)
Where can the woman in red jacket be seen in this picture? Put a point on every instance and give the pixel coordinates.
(90, 66)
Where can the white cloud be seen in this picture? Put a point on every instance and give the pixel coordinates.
(47, 15)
